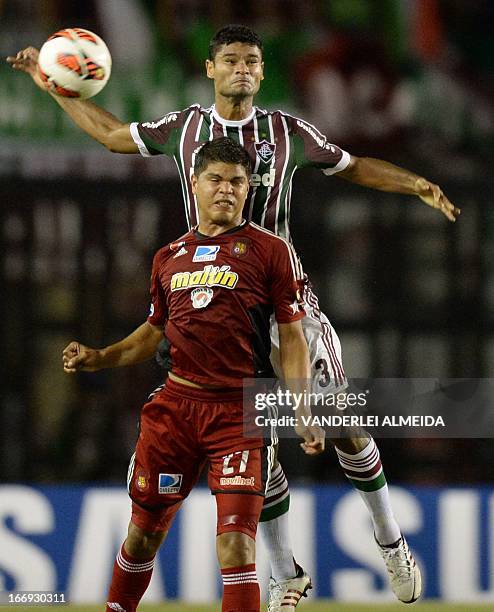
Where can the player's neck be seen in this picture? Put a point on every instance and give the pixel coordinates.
(210, 228)
(233, 109)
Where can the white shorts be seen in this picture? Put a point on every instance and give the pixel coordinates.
(328, 375)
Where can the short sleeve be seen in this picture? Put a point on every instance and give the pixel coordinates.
(158, 137)
(285, 283)
(158, 311)
(313, 149)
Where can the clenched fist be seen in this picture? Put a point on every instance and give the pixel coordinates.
(78, 357)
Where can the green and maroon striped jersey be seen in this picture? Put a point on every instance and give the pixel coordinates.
(277, 142)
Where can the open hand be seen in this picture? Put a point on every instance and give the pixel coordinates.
(434, 197)
(27, 61)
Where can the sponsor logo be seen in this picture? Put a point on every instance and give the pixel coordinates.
(205, 253)
(169, 483)
(197, 149)
(319, 138)
(115, 606)
(183, 251)
(265, 150)
(210, 276)
(170, 118)
(238, 481)
(266, 180)
(175, 246)
(240, 248)
(151, 310)
(201, 297)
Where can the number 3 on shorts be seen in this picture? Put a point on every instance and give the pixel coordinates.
(229, 469)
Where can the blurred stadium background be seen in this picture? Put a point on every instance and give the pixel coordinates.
(411, 295)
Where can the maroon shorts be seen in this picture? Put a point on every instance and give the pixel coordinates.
(182, 428)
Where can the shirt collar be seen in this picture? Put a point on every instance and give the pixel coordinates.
(230, 123)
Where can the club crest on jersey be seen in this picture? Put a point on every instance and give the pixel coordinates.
(240, 248)
(201, 297)
(205, 253)
(142, 478)
(169, 483)
(265, 150)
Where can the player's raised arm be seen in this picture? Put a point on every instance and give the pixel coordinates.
(95, 121)
(139, 346)
(378, 174)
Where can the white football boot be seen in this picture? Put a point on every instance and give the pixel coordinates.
(284, 595)
(404, 573)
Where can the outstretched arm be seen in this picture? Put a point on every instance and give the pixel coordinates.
(95, 121)
(139, 346)
(378, 174)
(295, 365)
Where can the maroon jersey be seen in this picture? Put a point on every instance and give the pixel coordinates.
(215, 297)
(277, 142)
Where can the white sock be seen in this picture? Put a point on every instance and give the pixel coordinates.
(378, 503)
(364, 470)
(276, 537)
(275, 532)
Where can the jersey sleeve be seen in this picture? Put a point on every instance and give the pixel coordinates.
(158, 310)
(159, 137)
(285, 284)
(313, 149)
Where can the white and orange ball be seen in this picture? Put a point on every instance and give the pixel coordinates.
(74, 63)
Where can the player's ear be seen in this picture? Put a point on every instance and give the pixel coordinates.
(262, 71)
(193, 182)
(210, 69)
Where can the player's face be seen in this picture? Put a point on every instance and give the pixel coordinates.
(221, 190)
(237, 70)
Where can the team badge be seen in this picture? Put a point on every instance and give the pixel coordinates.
(205, 253)
(240, 248)
(142, 480)
(265, 150)
(169, 483)
(201, 297)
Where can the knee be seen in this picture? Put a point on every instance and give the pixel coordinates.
(143, 544)
(349, 445)
(235, 549)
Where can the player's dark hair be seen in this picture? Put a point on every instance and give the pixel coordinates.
(231, 34)
(223, 150)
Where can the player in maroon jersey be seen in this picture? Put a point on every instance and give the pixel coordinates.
(212, 293)
(279, 144)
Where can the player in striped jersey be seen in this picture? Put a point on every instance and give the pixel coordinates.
(279, 144)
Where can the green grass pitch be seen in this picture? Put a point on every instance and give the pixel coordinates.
(318, 606)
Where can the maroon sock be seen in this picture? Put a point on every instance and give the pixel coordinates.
(240, 589)
(130, 579)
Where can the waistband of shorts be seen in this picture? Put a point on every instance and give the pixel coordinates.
(219, 394)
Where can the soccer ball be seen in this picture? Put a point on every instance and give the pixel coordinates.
(74, 63)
